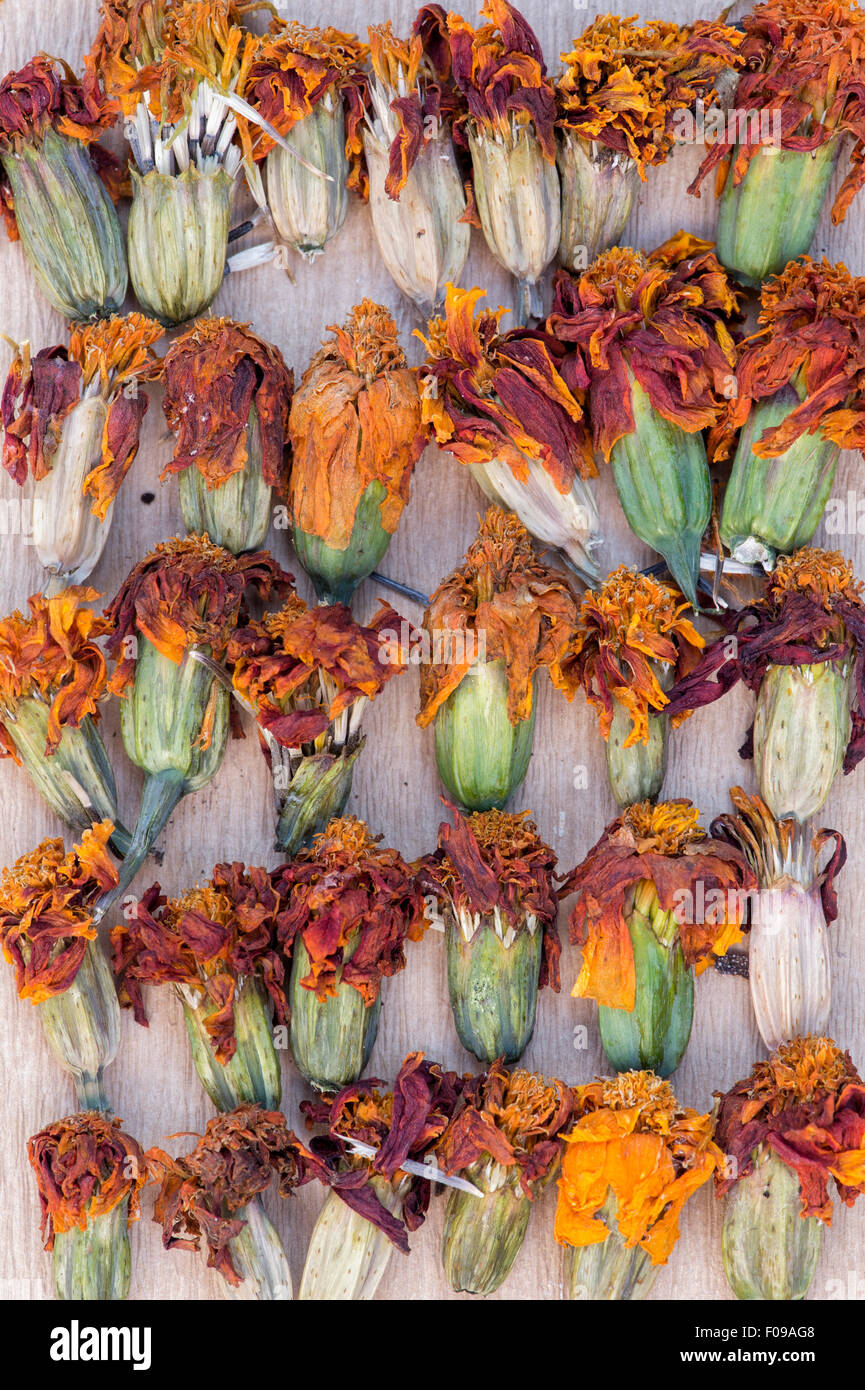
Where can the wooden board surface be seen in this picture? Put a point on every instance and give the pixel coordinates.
(152, 1082)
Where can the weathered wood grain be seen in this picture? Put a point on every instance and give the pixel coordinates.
(396, 787)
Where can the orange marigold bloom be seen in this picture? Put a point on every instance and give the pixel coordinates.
(85, 1166)
(53, 655)
(489, 394)
(633, 1140)
(110, 358)
(807, 1104)
(215, 374)
(630, 631)
(48, 910)
(623, 83)
(666, 846)
(355, 419)
(502, 603)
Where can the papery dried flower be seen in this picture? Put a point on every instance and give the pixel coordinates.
(211, 1197)
(493, 877)
(57, 185)
(374, 1203)
(631, 1160)
(71, 419)
(355, 431)
(498, 402)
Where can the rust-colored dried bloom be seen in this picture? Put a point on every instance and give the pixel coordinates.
(186, 592)
(496, 862)
(355, 419)
(661, 318)
(514, 1118)
(52, 655)
(203, 1193)
(665, 845)
(500, 70)
(489, 395)
(301, 668)
(806, 62)
(85, 1166)
(633, 1140)
(502, 603)
(352, 905)
(48, 910)
(403, 1123)
(294, 68)
(215, 374)
(110, 358)
(205, 942)
(630, 631)
(623, 83)
(811, 336)
(806, 1104)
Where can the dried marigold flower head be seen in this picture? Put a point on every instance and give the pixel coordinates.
(661, 319)
(206, 943)
(499, 68)
(301, 668)
(203, 1193)
(665, 846)
(522, 610)
(493, 395)
(186, 592)
(623, 83)
(215, 374)
(85, 1166)
(806, 63)
(52, 655)
(110, 359)
(631, 1139)
(630, 632)
(513, 1118)
(45, 92)
(48, 910)
(355, 420)
(806, 1104)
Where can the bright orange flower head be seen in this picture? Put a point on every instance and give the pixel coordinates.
(85, 1166)
(632, 1141)
(502, 603)
(47, 910)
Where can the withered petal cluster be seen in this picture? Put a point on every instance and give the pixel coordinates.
(85, 1166)
(623, 83)
(53, 655)
(514, 1118)
(47, 910)
(355, 419)
(770, 845)
(130, 36)
(276, 664)
(665, 316)
(210, 940)
(503, 595)
(631, 1138)
(497, 859)
(215, 374)
(806, 1104)
(806, 62)
(293, 69)
(203, 1193)
(500, 70)
(186, 592)
(665, 844)
(488, 394)
(404, 1123)
(352, 905)
(812, 611)
(112, 356)
(812, 333)
(629, 629)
